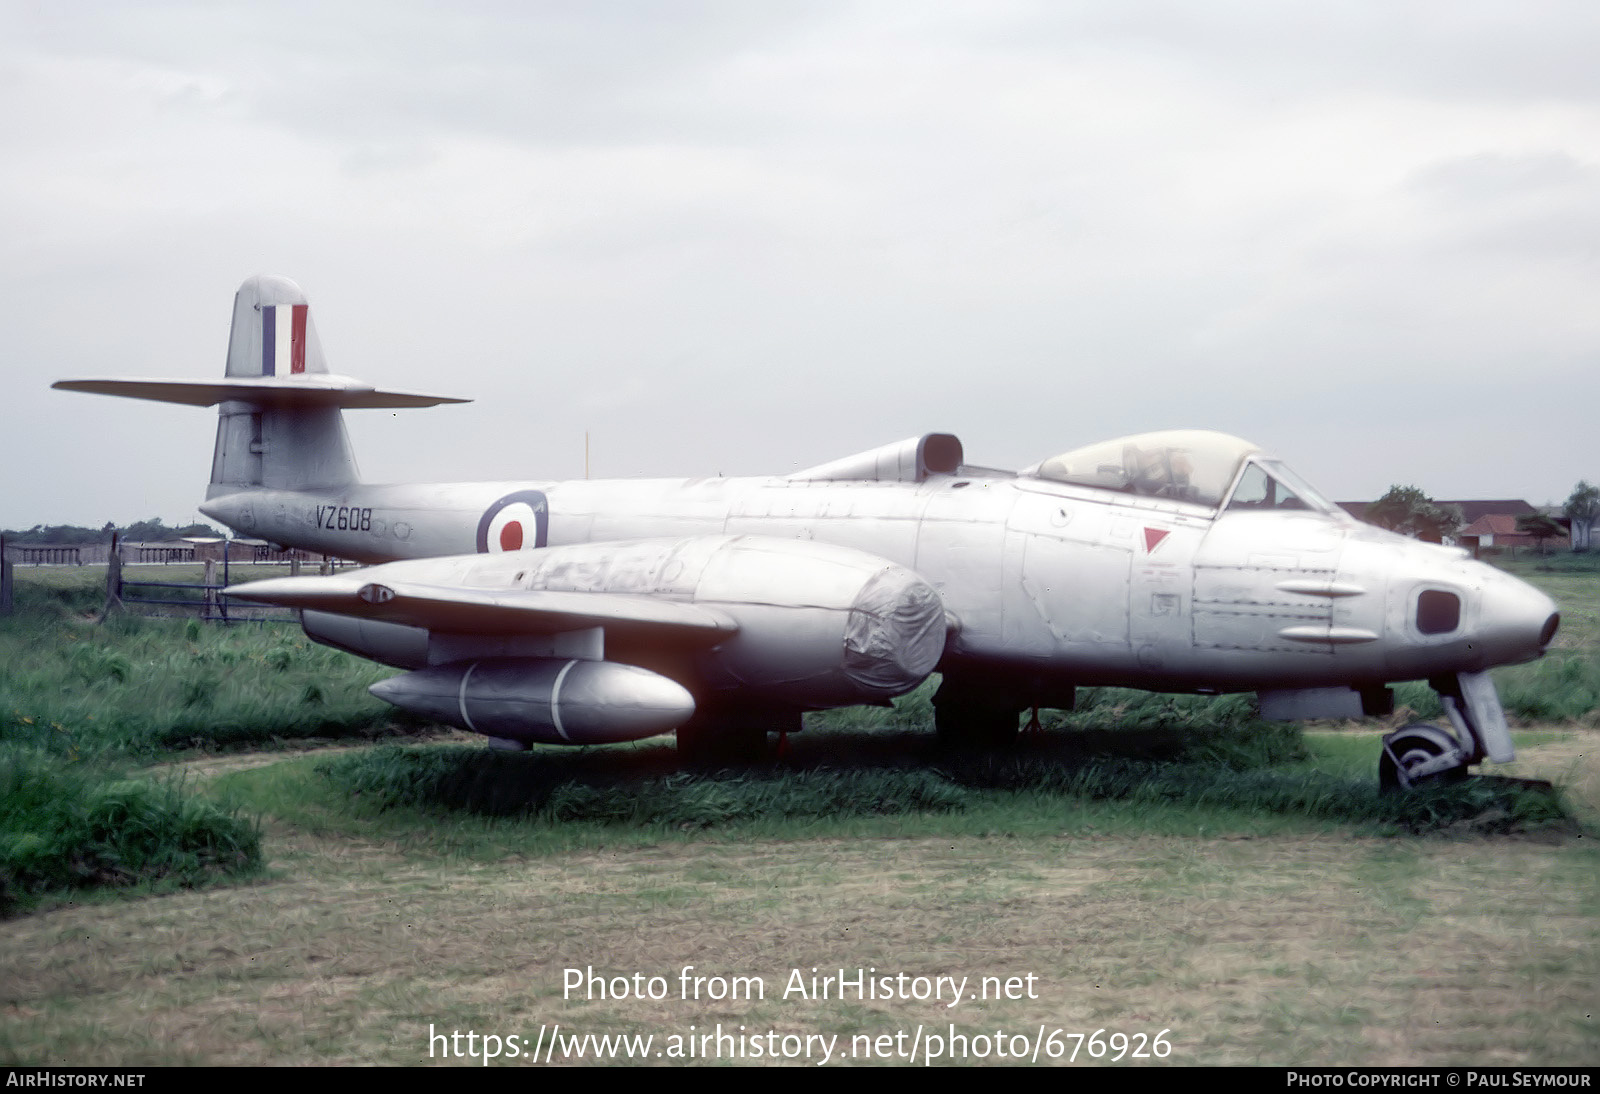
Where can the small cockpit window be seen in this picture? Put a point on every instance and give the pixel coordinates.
(1438, 612)
(1259, 490)
(1267, 484)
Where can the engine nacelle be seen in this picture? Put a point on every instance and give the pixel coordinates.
(819, 626)
(543, 700)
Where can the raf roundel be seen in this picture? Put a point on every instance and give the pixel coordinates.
(516, 522)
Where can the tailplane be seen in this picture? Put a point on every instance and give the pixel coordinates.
(280, 423)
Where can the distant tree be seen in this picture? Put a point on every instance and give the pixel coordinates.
(145, 531)
(1393, 510)
(1540, 527)
(155, 531)
(53, 533)
(1409, 511)
(1582, 509)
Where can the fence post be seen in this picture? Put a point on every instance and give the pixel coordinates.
(210, 579)
(5, 579)
(113, 579)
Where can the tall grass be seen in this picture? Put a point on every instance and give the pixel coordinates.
(554, 789)
(67, 825)
(641, 788)
(80, 701)
(139, 688)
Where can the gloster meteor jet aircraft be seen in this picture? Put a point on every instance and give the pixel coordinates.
(723, 608)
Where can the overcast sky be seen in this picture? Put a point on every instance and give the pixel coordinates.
(746, 237)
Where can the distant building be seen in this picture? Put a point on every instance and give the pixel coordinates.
(1470, 510)
(1488, 524)
(1500, 530)
(207, 548)
(192, 549)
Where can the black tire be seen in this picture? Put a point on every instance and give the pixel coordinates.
(1412, 747)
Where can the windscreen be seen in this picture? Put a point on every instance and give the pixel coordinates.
(1268, 484)
(1190, 465)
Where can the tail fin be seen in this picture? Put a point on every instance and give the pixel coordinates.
(287, 447)
(273, 334)
(280, 423)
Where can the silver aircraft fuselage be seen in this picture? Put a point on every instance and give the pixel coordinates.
(1047, 580)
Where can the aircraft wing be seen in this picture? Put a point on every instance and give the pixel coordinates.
(457, 610)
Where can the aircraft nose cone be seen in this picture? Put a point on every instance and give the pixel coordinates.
(1518, 621)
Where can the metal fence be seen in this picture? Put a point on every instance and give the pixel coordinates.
(206, 599)
(222, 563)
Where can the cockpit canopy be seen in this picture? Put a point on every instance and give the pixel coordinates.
(1191, 465)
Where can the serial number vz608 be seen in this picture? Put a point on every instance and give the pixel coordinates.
(346, 518)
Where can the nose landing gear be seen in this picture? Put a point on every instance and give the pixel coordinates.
(1417, 755)
(1420, 755)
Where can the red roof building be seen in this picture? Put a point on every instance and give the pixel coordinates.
(1500, 530)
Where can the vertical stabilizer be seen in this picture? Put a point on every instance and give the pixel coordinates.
(287, 446)
(273, 334)
(280, 425)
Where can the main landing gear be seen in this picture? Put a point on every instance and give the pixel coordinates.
(716, 738)
(970, 716)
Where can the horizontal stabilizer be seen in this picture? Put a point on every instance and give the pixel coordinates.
(453, 610)
(302, 391)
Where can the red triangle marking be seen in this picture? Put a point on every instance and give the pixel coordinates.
(1152, 537)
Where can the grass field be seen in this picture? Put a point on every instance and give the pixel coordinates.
(1238, 897)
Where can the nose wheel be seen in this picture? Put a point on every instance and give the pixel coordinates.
(1420, 755)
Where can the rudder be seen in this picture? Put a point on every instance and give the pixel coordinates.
(288, 446)
(272, 333)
